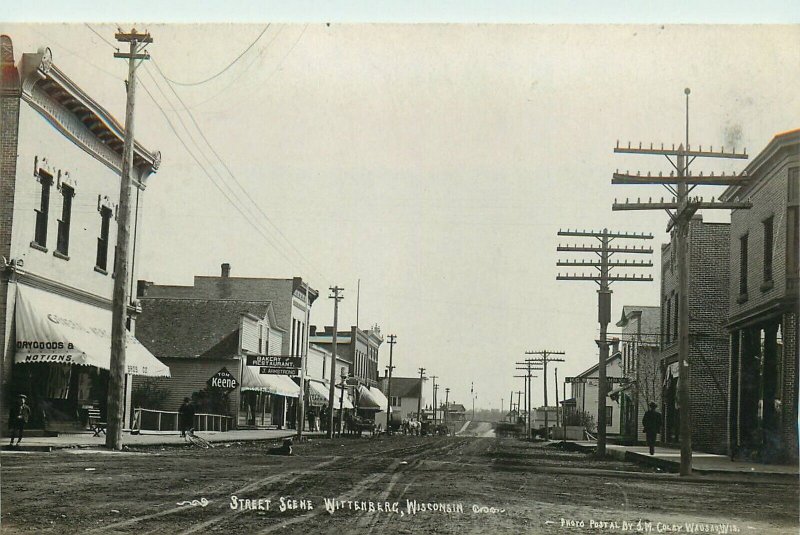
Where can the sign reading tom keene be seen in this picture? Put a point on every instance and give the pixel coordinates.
(223, 379)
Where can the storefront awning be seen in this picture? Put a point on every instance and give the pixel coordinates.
(280, 385)
(367, 400)
(379, 397)
(346, 402)
(52, 329)
(318, 393)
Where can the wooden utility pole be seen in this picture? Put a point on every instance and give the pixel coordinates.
(119, 330)
(419, 401)
(528, 367)
(604, 279)
(555, 372)
(543, 359)
(435, 388)
(392, 341)
(332, 394)
(680, 209)
(446, 407)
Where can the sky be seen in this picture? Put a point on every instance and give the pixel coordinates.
(434, 163)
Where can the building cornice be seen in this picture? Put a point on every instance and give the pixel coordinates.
(781, 142)
(78, 117)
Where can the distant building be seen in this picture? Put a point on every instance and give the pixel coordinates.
(763, 297)
(262, 399)
(404, 396)
(708, 258)
(640, 337)
(585, 391)
(356, 346)
(60, 168)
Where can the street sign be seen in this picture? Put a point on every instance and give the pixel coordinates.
(574, 379)
(269, 370)
(617, 380)
(351, 381)
(273, 361)
(223, 379)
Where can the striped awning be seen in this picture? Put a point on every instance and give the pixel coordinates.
(280, 385)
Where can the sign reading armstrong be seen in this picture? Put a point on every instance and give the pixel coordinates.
(223, 379)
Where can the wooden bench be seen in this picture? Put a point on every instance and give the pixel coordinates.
(95, 424)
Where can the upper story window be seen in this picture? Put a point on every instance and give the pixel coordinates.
(743, 267)
(793, 228)
(62, 241)
(768, 244)
(40, 234)
(102, 242)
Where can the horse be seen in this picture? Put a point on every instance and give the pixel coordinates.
(414, 427)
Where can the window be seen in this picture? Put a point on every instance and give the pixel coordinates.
(395, 401)
(676, 317)
(101, 262)
(668, 322)
(743, 267)
(62, 242)
(793, 228)
(40, 236)
(609, 416)
(768, 237)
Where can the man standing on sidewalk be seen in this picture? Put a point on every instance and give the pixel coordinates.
(18, 417)
(186, 417)
(652, 425)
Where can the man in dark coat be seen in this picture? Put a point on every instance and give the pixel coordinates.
(651, 423)
(18, 416)
(186, 416)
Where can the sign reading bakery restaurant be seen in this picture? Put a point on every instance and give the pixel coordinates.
(273, 361)
(223, 379)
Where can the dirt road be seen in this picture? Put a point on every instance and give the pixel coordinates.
(388, 485)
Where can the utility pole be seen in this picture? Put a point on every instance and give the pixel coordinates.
(392, 341)
(528, 367)
(419, 401)
(435, 388)
(446, 407)
(472, 395)
(511, 404)
(119, 330)
(604, 279)
(555, 371)
(332, 394)
(680, 209)
(543, 359)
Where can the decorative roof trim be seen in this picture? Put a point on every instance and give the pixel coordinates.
(57, 98)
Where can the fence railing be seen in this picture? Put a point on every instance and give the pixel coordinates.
(155, 420)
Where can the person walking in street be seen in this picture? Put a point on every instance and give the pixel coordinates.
(312, 419)
(186, 416)
(651, 423)
(18, 417)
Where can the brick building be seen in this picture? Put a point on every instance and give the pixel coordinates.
(356, 346)
(708, 258)
(60, 168)
(763, 301)
(641, 353)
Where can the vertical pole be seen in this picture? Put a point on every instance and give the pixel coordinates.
(301, 401)
(604, 316)
(116, 383)
(392, 342)
(681, 241)
(556, 382)
(511, 404)
(544, 380)
(419, 401)
(530, 401)
(435, 388)
(332, 394)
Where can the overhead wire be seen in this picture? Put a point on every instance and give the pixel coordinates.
(227, 67)
(208, 175)
(235, 179)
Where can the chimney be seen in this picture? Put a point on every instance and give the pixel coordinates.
(226, 270)
(615, 345)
